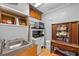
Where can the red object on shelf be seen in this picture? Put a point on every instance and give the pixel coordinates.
(4, 21)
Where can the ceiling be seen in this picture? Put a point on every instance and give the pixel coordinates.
(44, 7)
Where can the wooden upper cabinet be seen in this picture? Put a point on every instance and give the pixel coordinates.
(35, 13)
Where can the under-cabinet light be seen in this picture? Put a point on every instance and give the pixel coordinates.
(37, 4)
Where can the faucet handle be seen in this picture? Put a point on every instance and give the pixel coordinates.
(3, 43)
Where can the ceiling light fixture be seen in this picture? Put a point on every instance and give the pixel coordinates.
(37, 4)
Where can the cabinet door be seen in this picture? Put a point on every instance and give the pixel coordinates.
(38, 43)
(74, 31)
(42, 41)
(35, 13)
(54, 30)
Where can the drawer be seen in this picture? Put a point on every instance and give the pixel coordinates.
(65, 47)
(56, 45)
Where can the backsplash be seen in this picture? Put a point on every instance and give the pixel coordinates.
(10, 32)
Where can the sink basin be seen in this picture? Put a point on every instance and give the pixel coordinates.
(17, 44)
(13, 45)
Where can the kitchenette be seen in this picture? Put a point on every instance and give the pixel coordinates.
(17, 36)
(47, 30)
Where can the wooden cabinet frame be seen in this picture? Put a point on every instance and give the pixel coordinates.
(20, 19)
(6, 15)
(23, 21)
(35, 13)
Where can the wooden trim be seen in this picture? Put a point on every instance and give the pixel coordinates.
(70, 36)
(30, 6)
(35, 18)
(63, 43)
(66, 22)
(78, 33)
(0, 16)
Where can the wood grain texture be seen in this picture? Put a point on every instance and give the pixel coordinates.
(34, 13)
(28, 51)
(0, 16)
(54, 30)
(23, 21)
(65, 46)
(74, 33)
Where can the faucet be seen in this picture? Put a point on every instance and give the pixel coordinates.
(2, 45)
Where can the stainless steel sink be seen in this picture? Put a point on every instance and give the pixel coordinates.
(15, 45)
(11, 44)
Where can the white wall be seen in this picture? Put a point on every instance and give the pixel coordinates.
(11, 32)
(64, 13)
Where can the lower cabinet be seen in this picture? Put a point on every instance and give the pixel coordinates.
(65, 46)
(38, 43)
(42, 42)
(28, 51)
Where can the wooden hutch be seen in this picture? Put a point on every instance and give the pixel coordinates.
(65, 36)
